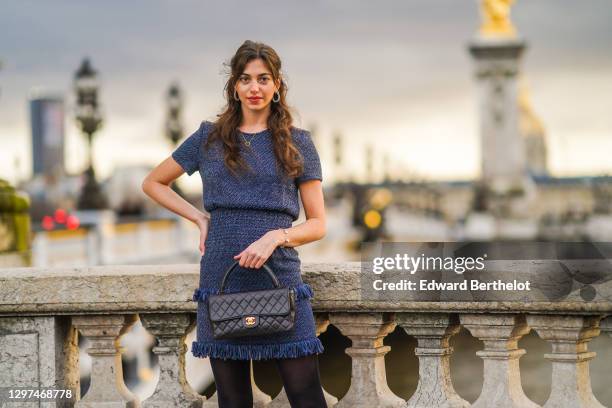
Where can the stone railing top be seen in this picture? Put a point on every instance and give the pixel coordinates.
(169, 288)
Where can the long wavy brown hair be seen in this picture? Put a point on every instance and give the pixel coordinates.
(279, 122)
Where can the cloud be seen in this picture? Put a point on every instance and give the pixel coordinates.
(352, 64)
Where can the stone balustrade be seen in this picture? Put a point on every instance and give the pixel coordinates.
(43, 311)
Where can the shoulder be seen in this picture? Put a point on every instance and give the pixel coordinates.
(206, 127)
(204, 130)
(301, 137)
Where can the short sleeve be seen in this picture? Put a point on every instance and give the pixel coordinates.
(187, 155)
(312, 163)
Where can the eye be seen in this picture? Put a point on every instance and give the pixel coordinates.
(263, 80)
(244, 80)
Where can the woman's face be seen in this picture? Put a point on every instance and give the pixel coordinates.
(255, 86)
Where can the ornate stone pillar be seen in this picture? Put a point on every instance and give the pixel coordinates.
(508, 188)
(433, 332)
(569, 335)
(107, 389)
(173, 390)
(369, 386)
(502, 377)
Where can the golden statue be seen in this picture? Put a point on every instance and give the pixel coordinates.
(496, 19)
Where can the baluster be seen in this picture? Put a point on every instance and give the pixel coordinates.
(433, 332)
(106, 389)
(502, 377)
(173, 390)
(369, 386)
(569, 335)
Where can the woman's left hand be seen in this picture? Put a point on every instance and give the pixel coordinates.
(256, 254)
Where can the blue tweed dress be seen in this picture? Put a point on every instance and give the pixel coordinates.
(242, 210)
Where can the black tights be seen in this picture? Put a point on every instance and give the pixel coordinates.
(300, 378)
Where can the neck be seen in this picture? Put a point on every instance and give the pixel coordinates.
(255, 119)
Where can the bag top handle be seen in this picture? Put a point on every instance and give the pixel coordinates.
(266, 268)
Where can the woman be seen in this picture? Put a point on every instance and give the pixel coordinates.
(252, 162)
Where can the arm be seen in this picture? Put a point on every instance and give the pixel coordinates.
(314, 228)
(157, 186)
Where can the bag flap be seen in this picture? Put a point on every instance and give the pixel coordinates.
(269, 302)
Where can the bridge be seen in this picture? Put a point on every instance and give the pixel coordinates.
(43, 311)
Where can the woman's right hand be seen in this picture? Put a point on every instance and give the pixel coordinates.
(203, 224)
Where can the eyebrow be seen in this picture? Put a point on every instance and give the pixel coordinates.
(265, 73)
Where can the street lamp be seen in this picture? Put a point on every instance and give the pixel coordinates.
(174, 126)
(89, 119)
(174, 102)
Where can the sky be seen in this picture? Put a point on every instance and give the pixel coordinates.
(394, 74)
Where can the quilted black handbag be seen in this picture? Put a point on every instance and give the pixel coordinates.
(251, 313)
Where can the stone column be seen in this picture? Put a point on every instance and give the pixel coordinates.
(281, 400)
(433, 332)
(502, 377)
(569, 335)
(107, 389)
(369, 388)
(509, 191)
(173, 390)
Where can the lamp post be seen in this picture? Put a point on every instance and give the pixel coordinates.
(174, 103)
(90, 120)
(174, 126)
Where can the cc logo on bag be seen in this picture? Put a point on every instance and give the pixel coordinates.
(249, 320)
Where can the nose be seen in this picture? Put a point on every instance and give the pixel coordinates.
(254, 87)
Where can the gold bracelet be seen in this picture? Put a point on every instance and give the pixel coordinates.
(286, 236)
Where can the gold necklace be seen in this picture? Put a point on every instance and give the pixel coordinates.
(248, 142)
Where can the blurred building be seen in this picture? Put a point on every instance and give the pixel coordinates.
(47, 124)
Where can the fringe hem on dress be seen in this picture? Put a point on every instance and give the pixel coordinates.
(257, 351)
(302, 291)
